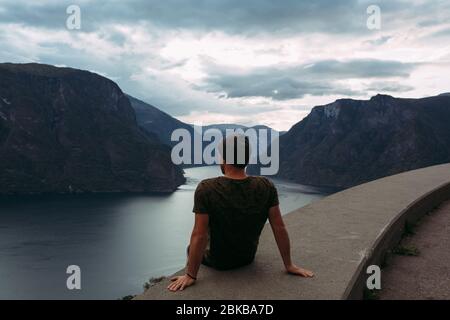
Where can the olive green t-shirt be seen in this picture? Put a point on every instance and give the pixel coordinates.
(238, 210)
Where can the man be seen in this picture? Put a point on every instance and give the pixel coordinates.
(230, 213)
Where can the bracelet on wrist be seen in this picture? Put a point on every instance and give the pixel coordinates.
(190, 276)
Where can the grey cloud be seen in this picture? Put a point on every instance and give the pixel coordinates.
(389, 86)
(441, 33)
(289, 82)
(379, 41)
(233, 16)
(361, 68)
(168, 66)
(277, 89)
(248, 18)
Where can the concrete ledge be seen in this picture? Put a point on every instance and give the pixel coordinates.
(337, 237)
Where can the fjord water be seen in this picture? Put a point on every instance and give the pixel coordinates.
(118, 241)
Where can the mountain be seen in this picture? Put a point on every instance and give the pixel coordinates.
(64, 130)
(223, 127)
(158, 123)
(349, 142)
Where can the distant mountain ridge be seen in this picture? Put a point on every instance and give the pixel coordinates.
(160, 124)
(349, 142)
(231, 126)
(157, 122)
(64, 130)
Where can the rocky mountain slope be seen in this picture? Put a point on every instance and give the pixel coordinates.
(349, 142)
(156, 122)
(64, 130)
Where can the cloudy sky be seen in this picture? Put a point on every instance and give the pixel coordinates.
(249, 62)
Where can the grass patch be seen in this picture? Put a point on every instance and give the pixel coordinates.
(371, 294)
(386, 259)
(406, 251)
(410, 229)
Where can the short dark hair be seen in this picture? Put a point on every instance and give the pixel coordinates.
(240, 144)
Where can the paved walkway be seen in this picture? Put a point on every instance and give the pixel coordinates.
(335, 237)
(426, 276)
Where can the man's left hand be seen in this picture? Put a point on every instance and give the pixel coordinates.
(180, 282)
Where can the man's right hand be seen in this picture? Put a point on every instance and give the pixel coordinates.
(293, 269)
(180, 283)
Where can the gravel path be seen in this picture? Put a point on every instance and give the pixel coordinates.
(426, 276)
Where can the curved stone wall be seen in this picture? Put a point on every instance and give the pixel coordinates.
(337, 237)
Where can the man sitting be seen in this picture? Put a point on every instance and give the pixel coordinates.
(230, 213)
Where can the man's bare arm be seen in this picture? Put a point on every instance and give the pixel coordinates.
(283, 243)
(197, 246)
(199, 240)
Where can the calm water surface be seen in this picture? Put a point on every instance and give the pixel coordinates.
(119, 242)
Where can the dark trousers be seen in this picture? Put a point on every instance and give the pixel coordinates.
(209, 262)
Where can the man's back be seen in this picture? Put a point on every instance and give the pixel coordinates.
(230, 213)
(238, 210)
